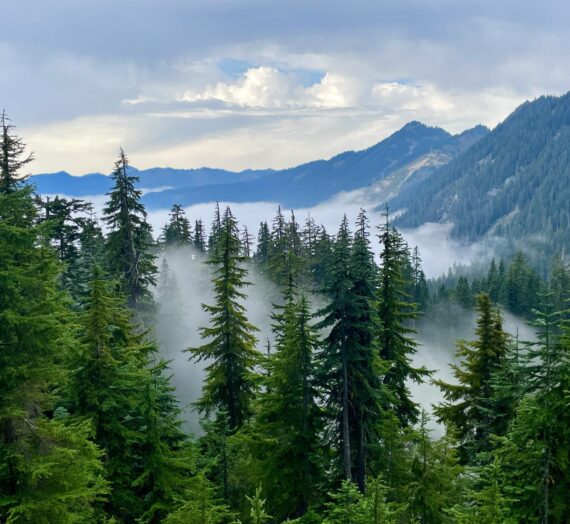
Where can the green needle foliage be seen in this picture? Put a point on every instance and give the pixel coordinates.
(230, 348)
(129, 242)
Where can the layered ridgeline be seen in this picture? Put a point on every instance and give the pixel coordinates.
(407, 156)
(513, 183)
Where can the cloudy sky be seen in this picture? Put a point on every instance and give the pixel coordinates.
(264, 83)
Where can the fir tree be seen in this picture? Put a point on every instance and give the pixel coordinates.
(13, 157)
(263, 244)
(466, 403)
(177, 232)
(230, 345)
(216, 229)
(288, 414)
(350, 363)
(394, 310)
(199, 237)
(129, 241)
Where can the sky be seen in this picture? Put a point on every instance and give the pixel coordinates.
(264, 83)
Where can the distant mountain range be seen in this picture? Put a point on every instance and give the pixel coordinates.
(513, 181)
(413, 150)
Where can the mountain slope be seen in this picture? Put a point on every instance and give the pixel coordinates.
(308, 184)
(514, 182)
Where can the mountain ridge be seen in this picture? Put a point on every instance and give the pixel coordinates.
(302, 185)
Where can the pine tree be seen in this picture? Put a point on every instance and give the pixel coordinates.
(131, 405)
(129, 241)
(263, 244)
(394, 310)
(350, 363)
(216, 229)
(288, 415)
(199, 237)
(466, 403)
(13, 157)
(177, 232)
(199, 505)
(230, 345)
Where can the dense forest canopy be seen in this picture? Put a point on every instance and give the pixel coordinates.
(316, 424)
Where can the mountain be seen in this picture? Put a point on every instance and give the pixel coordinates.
(409, 154)
(155, 179)
(514, 182)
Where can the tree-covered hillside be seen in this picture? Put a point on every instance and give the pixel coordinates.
(515, 182)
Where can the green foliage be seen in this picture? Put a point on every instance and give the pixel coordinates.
(230, 346)
(466, 401)
(288, 417)
(257, 512)
(199, 504)
(395, 336)
(129, 242)
(60, 475)
(177, 232)
(13, 157)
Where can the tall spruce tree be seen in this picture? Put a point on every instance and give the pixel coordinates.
(367, 391)
(129, 242)
(230, 340)
(13, 156)
(395, 311)
(288, 416)
(177, 232)
(199, 237)
(466, 405)
(350, 363)
(131, 405)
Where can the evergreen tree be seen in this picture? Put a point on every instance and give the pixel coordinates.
(263, 244)
(199, 504)
(66, 220)
(246, 242)
(366, 390)
(288, 414)
(230, 346)
(216, 229)
(521, 287)
(463, 293)
(540, 434)
(435, 483)
(129, 241)
(131, 406)
(177, 232)
(466, 403)
(199, 237)
(350, 363)
(34, 335)
(13, 157)
(394, 310)
(60, 475)
(335, 357)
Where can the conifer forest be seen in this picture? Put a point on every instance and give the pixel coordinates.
(315, 424)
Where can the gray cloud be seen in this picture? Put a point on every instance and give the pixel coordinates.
(102, 70)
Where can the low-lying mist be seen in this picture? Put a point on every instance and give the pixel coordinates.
(185, 284)
(180, 295)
